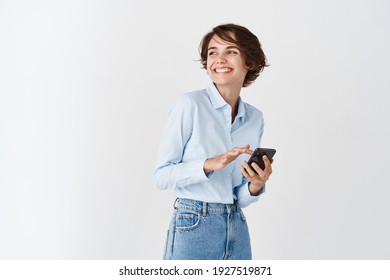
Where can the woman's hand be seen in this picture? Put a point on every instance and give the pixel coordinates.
(257, 179)
(219, 162)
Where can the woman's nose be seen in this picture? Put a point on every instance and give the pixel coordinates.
(221, 59)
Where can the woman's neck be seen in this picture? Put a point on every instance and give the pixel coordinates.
(231, 95)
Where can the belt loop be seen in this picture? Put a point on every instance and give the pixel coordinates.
(204, 210)
(236, 205)
(174, 204)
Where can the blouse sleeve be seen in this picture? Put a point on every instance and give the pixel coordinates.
(170, 171)
(244, 197)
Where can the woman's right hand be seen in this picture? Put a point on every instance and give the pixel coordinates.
(219, 162)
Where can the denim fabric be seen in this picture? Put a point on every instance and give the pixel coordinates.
(207, 231)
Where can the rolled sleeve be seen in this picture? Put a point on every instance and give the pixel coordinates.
(244, 197)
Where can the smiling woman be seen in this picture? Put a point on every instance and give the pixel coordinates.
(225, 65)
(237, 38)
(205, 144)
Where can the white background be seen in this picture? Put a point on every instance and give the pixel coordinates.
(85, 87)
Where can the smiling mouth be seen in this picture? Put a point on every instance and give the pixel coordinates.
(223, 70)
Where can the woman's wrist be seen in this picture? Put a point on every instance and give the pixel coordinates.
(253, 189)
(206, 167)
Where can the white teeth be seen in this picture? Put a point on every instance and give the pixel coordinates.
(223, 70)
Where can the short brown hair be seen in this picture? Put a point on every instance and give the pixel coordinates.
(246, 41)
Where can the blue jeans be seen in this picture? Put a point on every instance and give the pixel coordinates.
(207, 231)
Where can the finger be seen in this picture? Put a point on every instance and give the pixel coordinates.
(262, 174)
(232, 154)
(267, 164)
(243, 149)
(257, 168)
(236, 151)
(266, 160)
(247, 149)
(243, 171)
(249, 170)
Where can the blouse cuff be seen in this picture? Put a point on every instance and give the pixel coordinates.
(245, 198)
(194, 173)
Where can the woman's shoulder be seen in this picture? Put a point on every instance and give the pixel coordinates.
(195, 95)
(192, 97)
(252, 110)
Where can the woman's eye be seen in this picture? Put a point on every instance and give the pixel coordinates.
(211, 53)
(232, 52)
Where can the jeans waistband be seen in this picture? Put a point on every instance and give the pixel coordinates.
(206, 207)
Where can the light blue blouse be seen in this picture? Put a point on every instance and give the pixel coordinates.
(199, 127)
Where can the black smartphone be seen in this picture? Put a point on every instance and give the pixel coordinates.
(258, 154)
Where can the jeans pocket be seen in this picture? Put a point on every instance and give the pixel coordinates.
(186, 220)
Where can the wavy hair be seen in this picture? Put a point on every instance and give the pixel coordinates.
(245, 40)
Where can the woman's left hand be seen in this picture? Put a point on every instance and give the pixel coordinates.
(257, 179)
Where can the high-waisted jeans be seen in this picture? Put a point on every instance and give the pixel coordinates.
(207, 231)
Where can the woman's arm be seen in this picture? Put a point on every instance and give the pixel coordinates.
(170, 171)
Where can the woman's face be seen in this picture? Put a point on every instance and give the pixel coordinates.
(225, 63)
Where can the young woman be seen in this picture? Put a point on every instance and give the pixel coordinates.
(205, 144)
